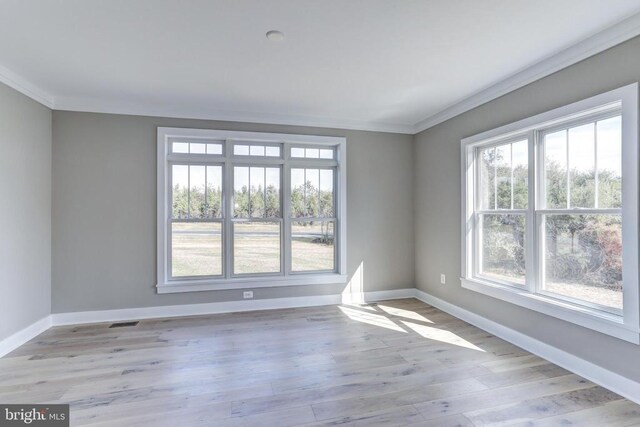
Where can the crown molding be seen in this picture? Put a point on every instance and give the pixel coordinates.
(206, 113)
(599, 42)
(25, 87)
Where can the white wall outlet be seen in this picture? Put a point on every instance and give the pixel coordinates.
(247, 294)
(443, 279)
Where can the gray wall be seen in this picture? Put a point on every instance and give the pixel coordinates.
(25, 216)
(437, 202)
(104, 211)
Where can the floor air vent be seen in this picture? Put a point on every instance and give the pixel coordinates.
(123, 324)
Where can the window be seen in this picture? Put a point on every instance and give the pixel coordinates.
(550, 213)
(239, 209)
(259, 150)
(312, 219)
(186, 147)
(312, 153)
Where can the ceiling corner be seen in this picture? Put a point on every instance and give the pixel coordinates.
(599, 42)
(25, 87)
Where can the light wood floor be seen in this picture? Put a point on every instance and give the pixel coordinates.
(395, 363)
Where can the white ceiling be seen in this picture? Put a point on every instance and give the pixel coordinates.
(368, 64)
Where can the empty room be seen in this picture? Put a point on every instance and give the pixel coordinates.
(319, 213)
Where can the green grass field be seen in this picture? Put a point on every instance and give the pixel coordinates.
(197, 249)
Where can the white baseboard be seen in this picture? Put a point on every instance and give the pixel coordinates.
(82, 317)
(597, 374)
(75, 318)
(14, 341)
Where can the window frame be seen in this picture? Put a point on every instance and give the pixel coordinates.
(171, 220)
(623, 324)
(249, 162)
(228, 160)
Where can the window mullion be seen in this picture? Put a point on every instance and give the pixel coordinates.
(206, 185)
(531, 254)
(568, 178)
(304, 192)
(595, 163)
(250, 211)
(495, 178)
(511, 160)
(285, 194)
(189, 191)
(228, 200)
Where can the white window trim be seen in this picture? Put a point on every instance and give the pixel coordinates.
(166, 135)
(625, 325)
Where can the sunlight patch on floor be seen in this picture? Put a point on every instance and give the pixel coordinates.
(401, 312)
(441, 335)
(371, 319)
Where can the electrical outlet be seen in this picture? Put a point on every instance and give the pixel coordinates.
(247, 294)
(443, 279)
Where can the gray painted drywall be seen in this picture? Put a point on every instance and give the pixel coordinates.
(104, 211)
(437, 203)
(25, 216)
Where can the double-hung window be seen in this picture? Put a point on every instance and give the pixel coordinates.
(243, 209)
(550, 213)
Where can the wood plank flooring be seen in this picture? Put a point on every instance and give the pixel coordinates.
(394, 363)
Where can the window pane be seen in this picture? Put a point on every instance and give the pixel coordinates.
(297, 193)
(256, 247)
(196, 191)
(241, 150)
(312, 188)
(487, 161)
(214, 192)
(273, 193)
(256, 150)
(555, 169)
(312, 153)
(609, 137)
(273, 151)
(256, 192)
(520, 152)
(241, 192)
(583, 257)
(196, 249)
(502, 243)
(180, 147)
(504, 168)
(326, 193)
(582, 166)
(312, 193)
(312, 246)
(503, 176)
(180, 191)
(197, 148)
(326, 154)
(297, 152)
(214, 149)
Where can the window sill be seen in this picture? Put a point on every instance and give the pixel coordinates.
(176, 286)
(606, 323)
